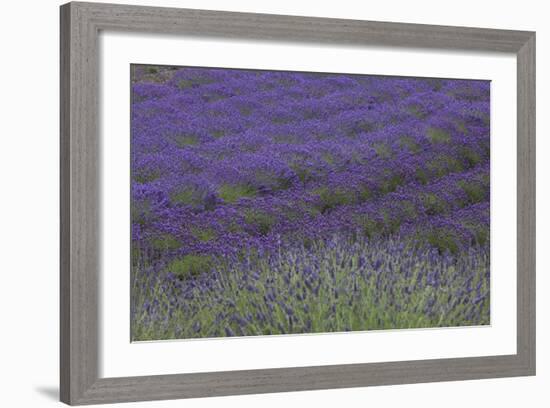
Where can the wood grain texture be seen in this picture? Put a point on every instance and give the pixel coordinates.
(526, 167)
(64, 204)
(304, 29)
(79, 204)
(79, 196)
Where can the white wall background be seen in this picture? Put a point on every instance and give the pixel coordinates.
(29, 205)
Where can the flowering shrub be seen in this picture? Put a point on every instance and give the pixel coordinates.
(271, 202)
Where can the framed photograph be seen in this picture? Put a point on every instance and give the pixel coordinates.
(261, 203)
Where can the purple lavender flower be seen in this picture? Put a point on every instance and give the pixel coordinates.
(258, 197)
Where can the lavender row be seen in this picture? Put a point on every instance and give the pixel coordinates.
(264, 221)
(331, 285)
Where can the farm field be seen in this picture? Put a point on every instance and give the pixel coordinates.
(268, 202)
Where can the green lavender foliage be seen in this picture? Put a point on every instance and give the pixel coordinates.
(330, 286)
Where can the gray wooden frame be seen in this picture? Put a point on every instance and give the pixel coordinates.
(80, 234)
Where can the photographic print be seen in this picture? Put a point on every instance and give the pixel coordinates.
(276, 203)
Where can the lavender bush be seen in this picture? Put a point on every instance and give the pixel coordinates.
(279, 202)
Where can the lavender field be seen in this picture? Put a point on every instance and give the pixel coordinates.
(266, 202)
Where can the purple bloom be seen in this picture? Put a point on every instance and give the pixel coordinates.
(255, 194)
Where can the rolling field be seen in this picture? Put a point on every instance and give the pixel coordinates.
(268, 202)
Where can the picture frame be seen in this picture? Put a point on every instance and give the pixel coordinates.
(80, 156)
